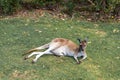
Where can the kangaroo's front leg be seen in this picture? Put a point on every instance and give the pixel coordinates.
(83, 57)
(75, 57)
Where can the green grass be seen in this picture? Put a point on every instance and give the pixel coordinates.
(17, 35)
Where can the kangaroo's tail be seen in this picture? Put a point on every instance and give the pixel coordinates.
(45, 46)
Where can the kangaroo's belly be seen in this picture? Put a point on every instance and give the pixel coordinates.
(63, 51)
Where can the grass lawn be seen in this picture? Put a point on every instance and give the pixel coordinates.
(17, 35)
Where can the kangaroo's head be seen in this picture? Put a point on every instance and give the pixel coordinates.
(82, 44)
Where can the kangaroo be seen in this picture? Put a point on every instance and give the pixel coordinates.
(61, 47)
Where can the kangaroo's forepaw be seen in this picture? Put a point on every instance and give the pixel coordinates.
(33, 61)
(25, 58)
(79, 62)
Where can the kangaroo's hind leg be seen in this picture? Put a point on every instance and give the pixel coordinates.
(33, 53)
(48, 51)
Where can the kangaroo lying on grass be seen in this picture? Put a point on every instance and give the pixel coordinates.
(61, 47)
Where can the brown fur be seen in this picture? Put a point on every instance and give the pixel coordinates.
(67, 42)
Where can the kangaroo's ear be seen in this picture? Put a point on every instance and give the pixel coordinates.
(86, 39)
(79, 40)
